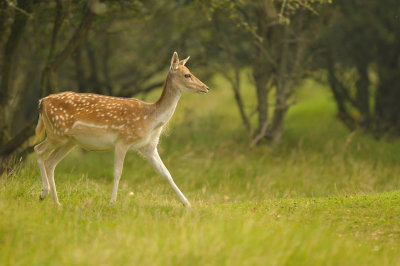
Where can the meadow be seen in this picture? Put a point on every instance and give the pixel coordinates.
(327, 196)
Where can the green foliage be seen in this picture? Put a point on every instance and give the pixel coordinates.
(271, 37)
(117, 48)
(361, 38)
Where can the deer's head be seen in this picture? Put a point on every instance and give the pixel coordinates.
(183, 79)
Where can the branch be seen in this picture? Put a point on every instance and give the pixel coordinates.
(260, 135)
(239, 101)
(49, 73)
(338, 86)
(18, 140)
(341, 96)
(20, 9)
(301, 45)
(282, 10)
(74, 41)
(235, 85)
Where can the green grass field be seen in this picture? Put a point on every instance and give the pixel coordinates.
(326, 197)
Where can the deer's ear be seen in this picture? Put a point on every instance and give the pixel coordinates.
(183, 62)
(174, 61)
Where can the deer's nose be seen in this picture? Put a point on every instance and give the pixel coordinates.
(207, 89)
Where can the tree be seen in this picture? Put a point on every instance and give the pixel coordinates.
(111, 47)
(360, 41)
(22, 13)
(272, 38)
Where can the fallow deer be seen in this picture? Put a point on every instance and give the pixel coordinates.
(96, 122)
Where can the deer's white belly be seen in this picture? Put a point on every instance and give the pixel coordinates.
(96, 143)
(93, 137)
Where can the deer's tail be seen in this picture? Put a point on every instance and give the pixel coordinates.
(40, 126)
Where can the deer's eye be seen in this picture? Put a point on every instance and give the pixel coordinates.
(187, 76)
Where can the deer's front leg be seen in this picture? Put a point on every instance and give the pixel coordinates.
(119, 156)
(153, 156)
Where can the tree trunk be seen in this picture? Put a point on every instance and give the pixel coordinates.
(260, 79)
(79, 70)
(362, 96)
(48, 80)
(280, 107)
(340, 93)
(239, 100)
(10, 50)
(105, 63)
(94, 80)
(387, 107)
(5, 13)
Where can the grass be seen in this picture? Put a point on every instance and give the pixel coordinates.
(326, 197)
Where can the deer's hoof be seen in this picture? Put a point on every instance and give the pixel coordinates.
(44, 194)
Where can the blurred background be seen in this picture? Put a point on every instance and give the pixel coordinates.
(292, 158)
(260, 58)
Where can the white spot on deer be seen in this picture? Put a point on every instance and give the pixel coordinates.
(77, 123)
(56, 117)
(117, 127)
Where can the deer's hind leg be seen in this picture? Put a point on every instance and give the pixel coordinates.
(50, 164)
(41, 150)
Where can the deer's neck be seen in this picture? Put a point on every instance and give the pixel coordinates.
(166, 104)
